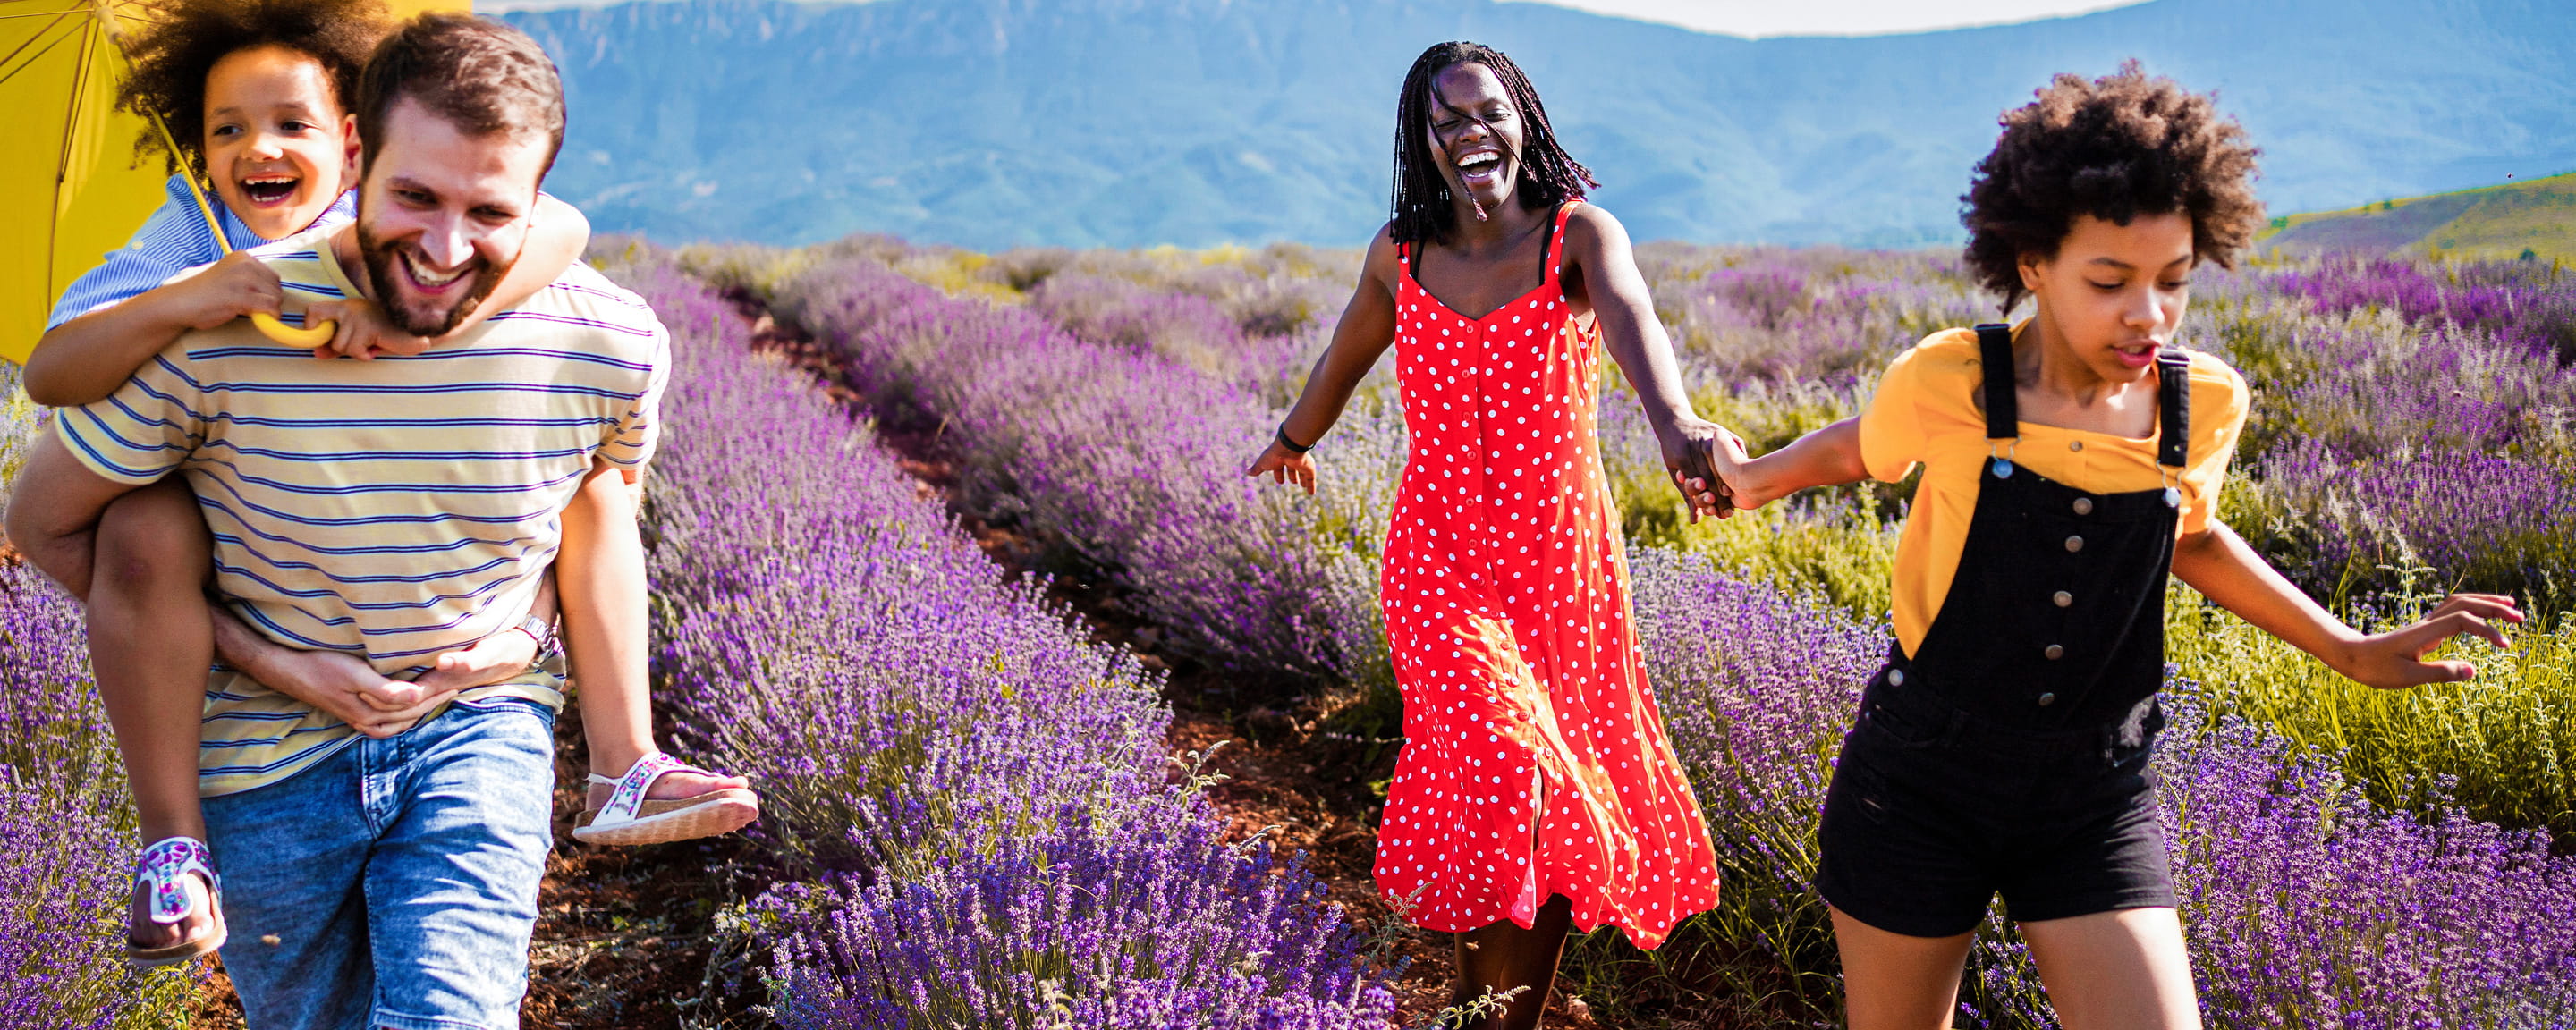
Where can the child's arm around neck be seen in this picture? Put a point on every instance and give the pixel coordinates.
(555, 240)
(85, 359)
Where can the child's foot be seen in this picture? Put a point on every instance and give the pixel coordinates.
(173, 881)
(661, 800)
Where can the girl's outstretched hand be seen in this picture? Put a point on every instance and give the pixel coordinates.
(2395, 659)
(1284, 466)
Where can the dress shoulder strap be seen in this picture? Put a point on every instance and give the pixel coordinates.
(1552, 256)
(1994, 351)
(2173, 404)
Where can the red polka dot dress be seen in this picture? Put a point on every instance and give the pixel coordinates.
(1505, 592)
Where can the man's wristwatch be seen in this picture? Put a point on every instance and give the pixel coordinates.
(540, 630)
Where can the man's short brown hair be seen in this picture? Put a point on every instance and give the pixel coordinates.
(482, 76)
(2114, 148)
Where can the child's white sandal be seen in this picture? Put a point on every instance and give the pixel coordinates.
(163, 873)
(631, 818)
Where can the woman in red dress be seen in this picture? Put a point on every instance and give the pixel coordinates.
(1535, 788)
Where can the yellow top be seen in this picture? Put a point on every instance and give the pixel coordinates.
(1926, 412)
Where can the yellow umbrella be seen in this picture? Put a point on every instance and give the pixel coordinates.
(70, 189)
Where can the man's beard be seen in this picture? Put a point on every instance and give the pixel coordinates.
(382, 276)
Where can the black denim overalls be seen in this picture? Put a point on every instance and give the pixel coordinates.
(2010, 752)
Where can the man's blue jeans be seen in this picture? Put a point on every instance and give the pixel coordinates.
(393, 884)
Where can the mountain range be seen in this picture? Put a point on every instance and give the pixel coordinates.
(995, 123)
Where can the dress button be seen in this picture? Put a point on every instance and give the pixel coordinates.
(1895, 677)
(2074, 445)
(2046, 700)
(2054, 652)
(2084, 506)
(2074, 544)
(2063, 599)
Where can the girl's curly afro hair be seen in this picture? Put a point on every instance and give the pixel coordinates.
(2114, 148)
(185, 39)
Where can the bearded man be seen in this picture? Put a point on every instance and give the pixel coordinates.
(396, 510)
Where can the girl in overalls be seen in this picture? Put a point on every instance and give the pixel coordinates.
(2069, 463)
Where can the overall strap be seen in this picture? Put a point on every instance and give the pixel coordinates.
(2003, 415)
(1552, 256)
(2173, 404)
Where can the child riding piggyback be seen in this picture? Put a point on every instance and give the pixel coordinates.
(253, 97)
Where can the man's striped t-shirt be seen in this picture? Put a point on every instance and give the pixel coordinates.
(394, 509)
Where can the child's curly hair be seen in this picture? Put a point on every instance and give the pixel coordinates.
(186, 38)
(2116, 147)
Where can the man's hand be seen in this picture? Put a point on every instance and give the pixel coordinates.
(345, 687)
(498, 658)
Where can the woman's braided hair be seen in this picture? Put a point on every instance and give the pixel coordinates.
(186, 38)
(2114, 148)
(1548, 175)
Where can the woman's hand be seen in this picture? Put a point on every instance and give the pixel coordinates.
(2395, 659)
(1284, 466)
(1698, 454)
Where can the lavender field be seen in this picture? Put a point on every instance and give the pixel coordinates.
(973, 819)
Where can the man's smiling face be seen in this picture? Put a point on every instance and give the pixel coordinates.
(442, 215)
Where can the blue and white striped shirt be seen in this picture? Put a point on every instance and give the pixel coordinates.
(173, 240)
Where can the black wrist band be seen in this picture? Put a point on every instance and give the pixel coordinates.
(1293, 446)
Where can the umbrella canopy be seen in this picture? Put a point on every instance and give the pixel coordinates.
(70, 187)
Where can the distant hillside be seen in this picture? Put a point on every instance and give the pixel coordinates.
(2536, 217)
(992, 123)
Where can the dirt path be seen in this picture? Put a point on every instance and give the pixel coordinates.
(625, 938)
(1284, 771)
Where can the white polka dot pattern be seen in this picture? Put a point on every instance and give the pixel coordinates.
(1505, 592)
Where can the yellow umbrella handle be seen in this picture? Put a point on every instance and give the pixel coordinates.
(312, 335)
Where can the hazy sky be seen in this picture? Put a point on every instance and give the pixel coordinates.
(1834, 17)
(1733, 17)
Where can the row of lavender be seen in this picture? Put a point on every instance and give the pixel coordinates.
(68, 827)
(2386, 919)
(967, 813)
(65, 817)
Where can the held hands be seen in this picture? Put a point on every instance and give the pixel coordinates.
(1703, 459)
(363, 331)
(345, 687)
(2395, 659)
(238, 286)
(1284, 466)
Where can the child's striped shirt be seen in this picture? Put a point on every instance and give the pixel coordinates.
(172, 241)
(394, 509)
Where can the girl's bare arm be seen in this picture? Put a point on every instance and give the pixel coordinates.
(1826, 457)
(2220, 565)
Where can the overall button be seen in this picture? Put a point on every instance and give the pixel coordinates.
(2074, 544)
(2046, 700)
(2054, 652)
(1895, 677)
(2074, 445)
(2063, 598)
(2084, 506)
